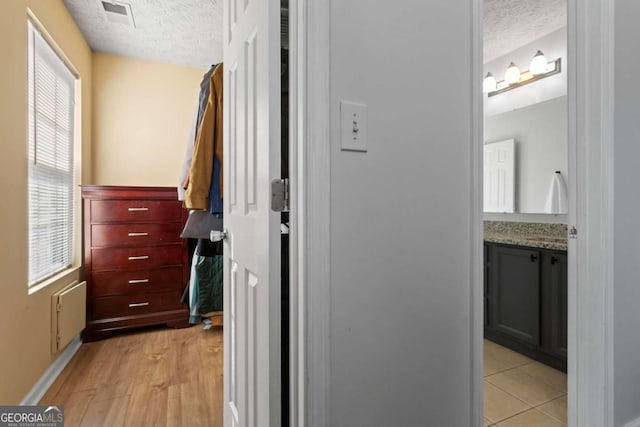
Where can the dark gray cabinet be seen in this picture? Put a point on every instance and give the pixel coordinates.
(526, 301)
(557, 314)
(514, 292)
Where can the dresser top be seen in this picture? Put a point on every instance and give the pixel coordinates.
(128, 192)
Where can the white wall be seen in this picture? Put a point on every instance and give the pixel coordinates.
(540, 132)
(401, 214)
(553, 46)
(626, 212)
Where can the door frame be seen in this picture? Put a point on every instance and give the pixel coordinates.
(309, 160)
(590, 80)
(591, 179)
(590, 38)
(590, 103)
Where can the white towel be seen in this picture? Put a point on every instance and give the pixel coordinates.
(557, 196)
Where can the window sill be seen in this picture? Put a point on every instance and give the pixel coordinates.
(63, 278)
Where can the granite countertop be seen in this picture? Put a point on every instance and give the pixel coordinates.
(536, 235)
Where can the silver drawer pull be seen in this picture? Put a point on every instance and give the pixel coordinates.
(138, 209)
(134, 281)
(137, 234)
(139, 304)
(133, 258)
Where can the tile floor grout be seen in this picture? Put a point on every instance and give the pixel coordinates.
(517, 414)
(523, 406)
(508, 369)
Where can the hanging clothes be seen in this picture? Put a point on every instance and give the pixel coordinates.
(208, 143)
(203, 97)
(203, 184)
(205, 284)
(188, 155)
(215, 195)
(205, 90)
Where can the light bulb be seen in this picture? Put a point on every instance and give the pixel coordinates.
(489, 83)
(512, 75)
(538, 64)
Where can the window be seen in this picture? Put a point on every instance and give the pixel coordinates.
(51, 165)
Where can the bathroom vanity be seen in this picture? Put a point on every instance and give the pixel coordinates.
(525, 289)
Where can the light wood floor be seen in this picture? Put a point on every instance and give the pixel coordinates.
(520, 392)
(153, 377)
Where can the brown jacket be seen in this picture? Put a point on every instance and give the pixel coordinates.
(207, 144)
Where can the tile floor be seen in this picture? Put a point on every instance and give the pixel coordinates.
(520, 392)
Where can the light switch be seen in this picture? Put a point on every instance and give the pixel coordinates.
(353, 124)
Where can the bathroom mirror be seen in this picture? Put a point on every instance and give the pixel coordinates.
(535, 117)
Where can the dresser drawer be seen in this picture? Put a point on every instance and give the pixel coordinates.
(137, 282)
(135, 234)
(131, 305)
(143, 258)
(135, 211)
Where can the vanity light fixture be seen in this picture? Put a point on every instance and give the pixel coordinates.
(513, 78)
(489, 83)
(512, 75)
(538, 64)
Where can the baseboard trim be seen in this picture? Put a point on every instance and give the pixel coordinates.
(633, 423)
(52, 373)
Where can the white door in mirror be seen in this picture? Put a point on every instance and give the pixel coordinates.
(499, 176)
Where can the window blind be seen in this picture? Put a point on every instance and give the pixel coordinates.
(50, 156)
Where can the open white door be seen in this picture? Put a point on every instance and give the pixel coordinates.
(252, 247)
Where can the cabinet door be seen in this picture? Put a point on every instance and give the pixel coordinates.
(558, 306)
(485, 280)
(515, 292)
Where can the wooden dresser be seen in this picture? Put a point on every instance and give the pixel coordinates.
(135, 261)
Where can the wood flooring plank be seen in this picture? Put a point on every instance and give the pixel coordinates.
(213, 392)
(75, 406)
(211, 352)
(158, 376)
(107, 412)
(90, 373)
(147, 406)
(74, 364)
(187, 406)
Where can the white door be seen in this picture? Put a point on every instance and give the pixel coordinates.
(499, 176)
(252, 248)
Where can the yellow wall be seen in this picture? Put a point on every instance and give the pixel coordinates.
(142, 116)
(25, 348)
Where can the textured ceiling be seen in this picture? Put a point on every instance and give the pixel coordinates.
(509, 24)
(183, 32)
(189, 32)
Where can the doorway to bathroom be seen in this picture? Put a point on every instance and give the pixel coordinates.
(525, 205)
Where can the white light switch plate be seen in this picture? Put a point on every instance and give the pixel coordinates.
(353, 126)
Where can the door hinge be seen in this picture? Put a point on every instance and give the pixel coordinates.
(280, 195)
(58, 308)
(573, 232)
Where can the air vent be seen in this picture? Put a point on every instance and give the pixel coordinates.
(118, 12)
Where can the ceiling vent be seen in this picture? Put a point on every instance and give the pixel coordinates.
(118, 12)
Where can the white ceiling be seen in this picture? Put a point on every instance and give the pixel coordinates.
(183, 32)
(189, 32)
(509, 24)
